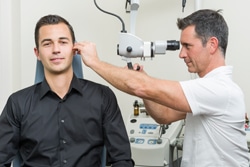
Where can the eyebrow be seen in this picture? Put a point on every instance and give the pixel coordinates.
(186, 43)
(48, 39)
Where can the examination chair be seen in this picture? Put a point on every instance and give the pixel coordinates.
(39, 76)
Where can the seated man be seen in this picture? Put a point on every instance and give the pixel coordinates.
(63, 120)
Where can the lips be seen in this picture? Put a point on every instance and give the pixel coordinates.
(188, 62)
(56, 59)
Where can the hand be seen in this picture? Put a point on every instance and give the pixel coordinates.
(138, 67)
(88, 52)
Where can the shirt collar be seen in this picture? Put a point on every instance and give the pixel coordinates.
(74, 85)
(222, 70)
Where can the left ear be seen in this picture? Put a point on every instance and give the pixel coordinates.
(213, 44)
(37, 53)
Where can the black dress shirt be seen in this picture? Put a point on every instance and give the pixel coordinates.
(52, 132)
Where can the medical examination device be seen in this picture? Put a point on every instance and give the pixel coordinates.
(131, 46)
(152, 144)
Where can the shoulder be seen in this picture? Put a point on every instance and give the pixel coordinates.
(25, 97)
(94, 87)
(97, 93)
(87, 82)
(25, 92)
(18, 101)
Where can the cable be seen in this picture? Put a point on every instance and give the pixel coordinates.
(123, 25)
(183, 5)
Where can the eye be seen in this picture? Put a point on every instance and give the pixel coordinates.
(63, 42)
(187, 46)
(46, 43)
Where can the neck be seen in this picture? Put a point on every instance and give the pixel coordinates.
(59, 83)
(215, 62)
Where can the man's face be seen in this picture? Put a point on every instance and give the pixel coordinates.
(55, 48)
(195, 55)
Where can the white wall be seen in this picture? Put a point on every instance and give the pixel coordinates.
(156, 20)
(10, 71)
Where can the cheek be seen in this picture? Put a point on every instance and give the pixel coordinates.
(197, 53)
(67, 51)
(42, 54)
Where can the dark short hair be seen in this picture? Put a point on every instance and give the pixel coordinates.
(50, 20)
(208, 23)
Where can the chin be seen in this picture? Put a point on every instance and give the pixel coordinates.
(191, 70)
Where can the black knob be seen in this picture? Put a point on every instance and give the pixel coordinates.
(129, 49)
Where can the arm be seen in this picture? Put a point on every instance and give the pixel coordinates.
(138, 83)
(163, 114)
(115, 134)
(8, 134)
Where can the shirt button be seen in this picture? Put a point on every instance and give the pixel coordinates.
(64, 141)
(65, 161)
(62, 120)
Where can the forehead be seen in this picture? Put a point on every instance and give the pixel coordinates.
(188, 31)
(54, 31)
(188, 34)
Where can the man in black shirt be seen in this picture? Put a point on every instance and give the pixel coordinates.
(63, 120)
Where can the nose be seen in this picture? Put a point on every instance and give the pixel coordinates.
(182, 53)
(56, 48)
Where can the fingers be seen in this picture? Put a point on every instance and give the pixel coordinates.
(81, 45)
(76, 48)
(137, 67)
(76, 51)
(85, 48)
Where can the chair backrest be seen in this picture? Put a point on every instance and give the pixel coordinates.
(77, 68)
(39, 76)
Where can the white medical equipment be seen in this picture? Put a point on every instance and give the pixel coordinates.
(152, 144)
(131, 46)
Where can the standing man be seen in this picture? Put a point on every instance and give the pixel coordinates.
(213, 105)
(62, 121)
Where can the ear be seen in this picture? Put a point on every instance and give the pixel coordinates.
(37, 53)
(213, 44)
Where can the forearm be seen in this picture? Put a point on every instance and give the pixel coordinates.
(163, 95)
(163, 114)
(121, 78)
